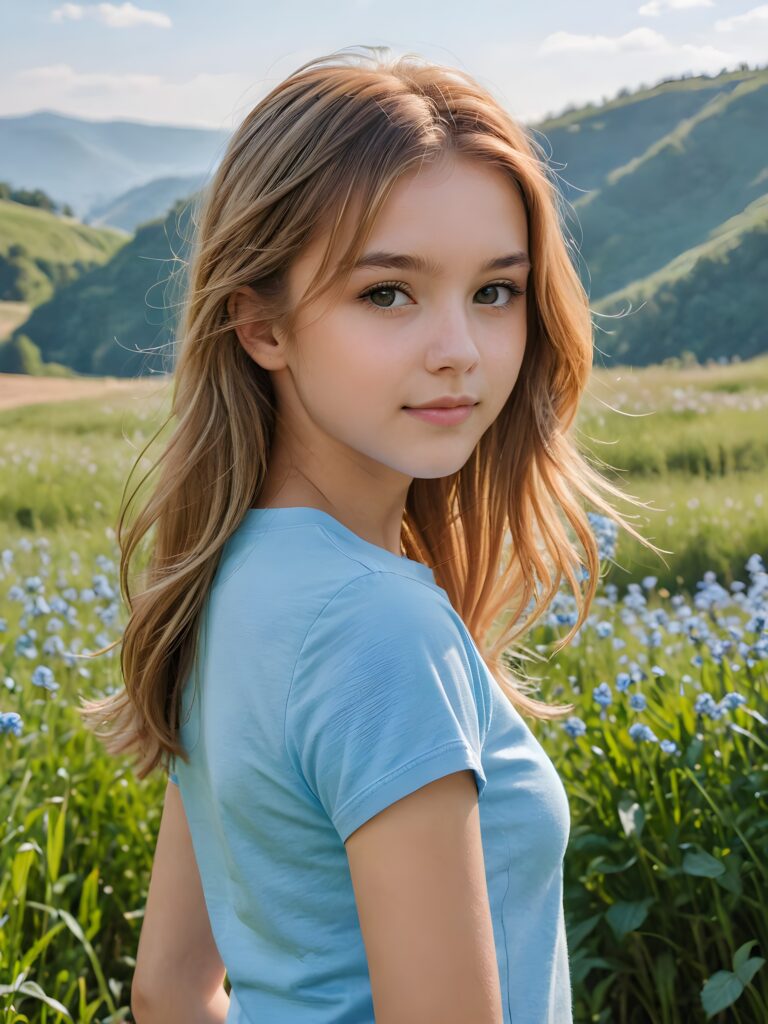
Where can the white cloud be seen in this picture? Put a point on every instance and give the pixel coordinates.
(654, 7)
(65, 79)
(205, 99)
(67, 12)
(756, 16)
(125, 15)
(638, 40)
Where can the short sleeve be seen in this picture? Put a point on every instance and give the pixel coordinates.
(384, 698)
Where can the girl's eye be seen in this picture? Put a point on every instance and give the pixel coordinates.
(509, 285)
(389, 287)
(386, 289)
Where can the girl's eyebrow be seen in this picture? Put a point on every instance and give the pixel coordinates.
(418, 264)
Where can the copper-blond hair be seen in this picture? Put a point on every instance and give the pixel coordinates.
(501, 533)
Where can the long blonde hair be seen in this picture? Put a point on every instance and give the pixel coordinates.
(343, 125)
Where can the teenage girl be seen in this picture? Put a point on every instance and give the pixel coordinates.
(382, 354)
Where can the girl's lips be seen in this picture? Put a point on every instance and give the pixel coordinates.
(444, 417)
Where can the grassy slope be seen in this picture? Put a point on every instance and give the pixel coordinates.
(680, 190)
(709, 300)
(593, 141)
(118, 318)
(53, 241)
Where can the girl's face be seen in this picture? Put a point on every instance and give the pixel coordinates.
(435, 311)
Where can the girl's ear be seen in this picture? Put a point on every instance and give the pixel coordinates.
(259, 336)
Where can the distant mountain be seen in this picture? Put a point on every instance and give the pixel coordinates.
(665, 194)
(143, 203)
(86, 163)
(40, 251)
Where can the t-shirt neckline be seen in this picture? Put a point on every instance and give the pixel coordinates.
(296, 515)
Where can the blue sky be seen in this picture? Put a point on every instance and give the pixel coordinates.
(206, 64)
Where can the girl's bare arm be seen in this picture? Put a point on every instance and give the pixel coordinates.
(179, 974)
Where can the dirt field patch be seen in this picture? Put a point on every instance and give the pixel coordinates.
(18, 389)
(11, 315)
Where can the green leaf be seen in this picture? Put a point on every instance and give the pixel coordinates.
(730, 880)
(606, 867)
(579, 932)
(720, 991)
(624, 917)
(742, 953)
(22, 862)
(31, 988)
(703, 865)
(34, 951)
(55, 839)
(580, 968)
(77, 931)
(664, 973)
(746, 969)
(693, 752)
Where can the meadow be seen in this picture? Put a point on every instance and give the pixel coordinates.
(665, 757)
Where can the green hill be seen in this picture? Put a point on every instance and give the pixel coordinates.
(40, 251)
(709, 301)
(673, 196)
(589, 142)
(117, 319)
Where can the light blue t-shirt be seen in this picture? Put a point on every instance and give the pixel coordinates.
(333, 677)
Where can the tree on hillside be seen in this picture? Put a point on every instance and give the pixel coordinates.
(33, 197)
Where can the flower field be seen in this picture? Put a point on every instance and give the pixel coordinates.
(665, 758)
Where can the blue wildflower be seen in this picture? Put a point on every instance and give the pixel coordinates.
(705, 705)
(25, 646)
(754, 565)
(602, 694)
(10, 721)
(733, 700)
(623, 681)
(606, 533)
(42, 676)
(54, 645)
(574, 726)
(101, 586)
(641, 733)
(38, 606)
(756, 624)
